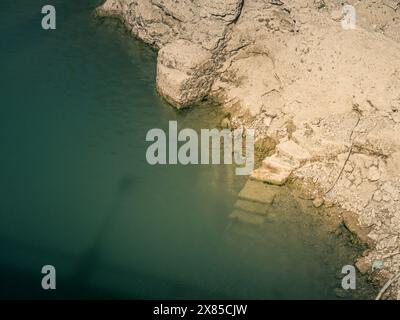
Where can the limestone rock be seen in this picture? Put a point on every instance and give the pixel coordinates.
(318, 202)
(363, 265)
(337, 15)
(183, 73)
(293, 151)
(373, 174)
(353, 225)
(394, 4)
(277, 163)
(159, 22)
(274, 170)
(269, 65)
(268, 176)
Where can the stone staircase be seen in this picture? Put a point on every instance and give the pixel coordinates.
(259, 192)
(253, 202)
(277, 168)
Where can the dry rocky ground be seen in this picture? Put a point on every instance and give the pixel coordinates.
(328, 96)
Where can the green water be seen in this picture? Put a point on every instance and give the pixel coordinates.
(77, 192)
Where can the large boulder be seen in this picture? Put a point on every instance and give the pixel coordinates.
(184, 73)
(189, 34)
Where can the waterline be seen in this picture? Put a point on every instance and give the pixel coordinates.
(196, 149)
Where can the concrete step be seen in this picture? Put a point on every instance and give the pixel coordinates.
(251, 206)
(275, 170)
(293, 151)
(258, 192)
(247, 217)
(269, 176)
(278, 164)
(239, 231)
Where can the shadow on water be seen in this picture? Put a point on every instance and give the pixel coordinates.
(24, 284)
(90, 258)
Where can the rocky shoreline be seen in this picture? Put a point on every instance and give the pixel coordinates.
(328, 97)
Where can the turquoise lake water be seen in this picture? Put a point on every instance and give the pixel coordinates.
(78, 194)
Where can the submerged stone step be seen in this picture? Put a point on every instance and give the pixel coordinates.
(257, 191)
(251, 206)
(293, 151)
(247, 217)
(242, 230)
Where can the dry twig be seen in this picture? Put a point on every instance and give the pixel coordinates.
(349, 154)
(387, 285)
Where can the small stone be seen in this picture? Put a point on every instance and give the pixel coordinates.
(373, 174)
(388, 187)
(363, 265)
(392, 4)
(377, 264)
(226, 123)
(367, 163)
(396, 118)
(329, 203)
(386, 197)
(352, 224)
(348, 168)
(318, 202)
(377, 196)
(358, 181)
(268, 121)
(336, 15)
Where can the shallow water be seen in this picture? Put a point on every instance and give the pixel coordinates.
(77, 192)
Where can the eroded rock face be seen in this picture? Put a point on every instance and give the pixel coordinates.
(159, 22)
(190, 35)
(184, 73)
(276, 57)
